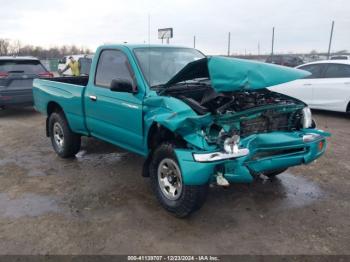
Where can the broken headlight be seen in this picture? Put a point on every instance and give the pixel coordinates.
(306, 120)
(231, 144)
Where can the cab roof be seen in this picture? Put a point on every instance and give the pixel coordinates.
(133, 46)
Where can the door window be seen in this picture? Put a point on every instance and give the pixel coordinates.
(337, 71)
(315, 70)
(112, 64)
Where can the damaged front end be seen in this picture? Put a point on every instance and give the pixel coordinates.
(254, 155)
(234, 127)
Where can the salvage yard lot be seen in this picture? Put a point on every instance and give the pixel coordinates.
(99, 203)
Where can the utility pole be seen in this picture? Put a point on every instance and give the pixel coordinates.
(149, 29)
(273, 40)
(330, 41)
(194, 41)
(229, 44)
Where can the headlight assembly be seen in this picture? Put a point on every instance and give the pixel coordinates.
(307, 118)
(231, 144)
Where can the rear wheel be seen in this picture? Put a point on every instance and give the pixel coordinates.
(167, 183)
(65, 143)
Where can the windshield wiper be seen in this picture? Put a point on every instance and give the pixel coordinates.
(157, 86)
(194, 81)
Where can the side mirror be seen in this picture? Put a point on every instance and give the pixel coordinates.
(122, 85)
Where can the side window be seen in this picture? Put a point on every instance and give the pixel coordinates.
(112, 64)
(337, 71)
(315, 70)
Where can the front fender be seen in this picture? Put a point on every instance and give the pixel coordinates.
(178, 117)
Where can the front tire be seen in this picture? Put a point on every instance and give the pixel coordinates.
(167, 183)
(65, 143)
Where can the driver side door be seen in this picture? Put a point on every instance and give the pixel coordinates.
(115, 117)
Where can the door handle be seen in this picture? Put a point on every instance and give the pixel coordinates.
(93, 98)
(307, 84)
(347, 83)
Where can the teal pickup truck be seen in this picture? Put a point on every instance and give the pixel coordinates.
(197, 120)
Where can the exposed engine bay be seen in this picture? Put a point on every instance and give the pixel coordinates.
(257, 111)
(203, 99)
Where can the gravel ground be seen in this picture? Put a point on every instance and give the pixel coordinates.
(99, 203)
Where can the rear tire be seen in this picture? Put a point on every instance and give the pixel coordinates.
(166, 179)
(65, 143)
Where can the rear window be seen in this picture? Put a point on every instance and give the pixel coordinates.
(22, 66)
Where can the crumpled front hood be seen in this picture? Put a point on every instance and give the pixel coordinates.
(232, 74)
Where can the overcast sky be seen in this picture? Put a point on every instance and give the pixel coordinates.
(301, 25)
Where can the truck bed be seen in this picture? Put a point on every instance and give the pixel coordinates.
(74, 80)
(67, 92)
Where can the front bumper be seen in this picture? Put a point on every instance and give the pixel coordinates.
(258, 153)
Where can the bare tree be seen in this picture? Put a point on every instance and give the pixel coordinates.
(15, 47)
(74, 50)
(4, 46)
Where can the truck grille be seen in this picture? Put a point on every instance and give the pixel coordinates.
(269, 122)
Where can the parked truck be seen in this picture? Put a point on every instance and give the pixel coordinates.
(196, 119)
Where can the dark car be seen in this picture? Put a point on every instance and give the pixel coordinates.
(340, 57)
(16, 79)
(285, 60)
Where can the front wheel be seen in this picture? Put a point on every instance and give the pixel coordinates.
(167, 183)
(65, 142)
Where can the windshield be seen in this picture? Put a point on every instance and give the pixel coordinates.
(160, 64)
